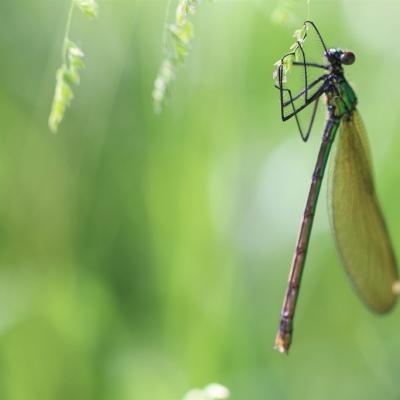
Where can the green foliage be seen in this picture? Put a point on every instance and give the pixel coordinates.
(72, 62)
(300, 35)
(213, 391)
(177, 44)
(67, 75)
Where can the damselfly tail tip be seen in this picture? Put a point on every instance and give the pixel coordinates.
(282, 343)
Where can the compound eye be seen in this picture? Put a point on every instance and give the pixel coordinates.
(347, 58)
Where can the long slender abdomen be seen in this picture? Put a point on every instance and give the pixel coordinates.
(284, 335)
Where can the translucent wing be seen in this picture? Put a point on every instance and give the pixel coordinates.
(360, 231)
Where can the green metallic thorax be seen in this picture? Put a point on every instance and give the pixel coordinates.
(343, 98)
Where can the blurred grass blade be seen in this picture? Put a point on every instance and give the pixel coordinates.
(72, 62)
(177, 42)
(359, 228)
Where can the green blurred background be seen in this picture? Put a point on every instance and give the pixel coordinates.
(142, 255)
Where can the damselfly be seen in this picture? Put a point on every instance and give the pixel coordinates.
(359, 228)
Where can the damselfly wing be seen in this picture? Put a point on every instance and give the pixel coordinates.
(360, 231)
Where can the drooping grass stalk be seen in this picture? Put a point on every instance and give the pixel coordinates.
(72, 62)
(177, 41)
(293, 55)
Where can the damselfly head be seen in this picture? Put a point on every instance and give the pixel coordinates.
(338, 56)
